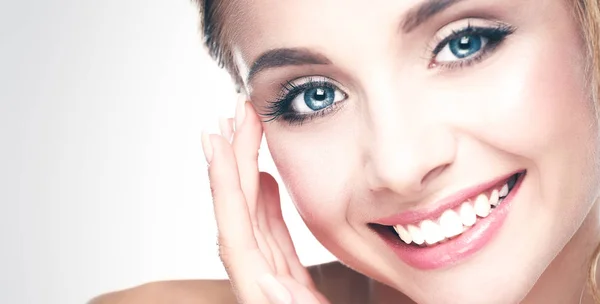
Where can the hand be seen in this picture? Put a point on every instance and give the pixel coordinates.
(254, 242)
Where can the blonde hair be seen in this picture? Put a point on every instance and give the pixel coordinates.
(588, 13)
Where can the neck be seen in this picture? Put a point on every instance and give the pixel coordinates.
(565, 280)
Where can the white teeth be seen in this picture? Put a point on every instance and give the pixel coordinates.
(482, 206)
(504, 191)
(451, 224)
(416, 235)
(432, 232)
(494, 198)
(467, 215)
(403, 233)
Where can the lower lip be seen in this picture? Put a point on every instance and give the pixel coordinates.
(457, 249)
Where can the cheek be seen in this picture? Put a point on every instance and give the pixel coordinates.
(315, 169)
(543, 106)
(539, 113)
(534, 104)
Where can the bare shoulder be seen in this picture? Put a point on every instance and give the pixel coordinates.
(331, 279)
(335, 281)
(341, 284)
(172, 292)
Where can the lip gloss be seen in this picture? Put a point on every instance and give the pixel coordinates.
(453, 250)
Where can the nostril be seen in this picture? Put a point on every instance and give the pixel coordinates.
(433, 174)
(402, 180)
(406, 165)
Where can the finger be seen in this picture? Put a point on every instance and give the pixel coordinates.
(274, 290)
(281, 235)
(238, 249)
(285, 290)
(231, 211)
(268, 199)
(226, 127)
(300, 293)
(246, 142)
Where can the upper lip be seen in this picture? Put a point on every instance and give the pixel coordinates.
(450, 202)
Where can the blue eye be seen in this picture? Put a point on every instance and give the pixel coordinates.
(461, 47)
(466, 45)
(319, 98)
(469, 45)
(305, 99)
(313, 97)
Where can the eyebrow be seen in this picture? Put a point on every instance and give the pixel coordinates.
(424, 12)
(285, 57)
(302, 56)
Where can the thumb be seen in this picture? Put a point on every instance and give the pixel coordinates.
(286, 290)
(274, 290)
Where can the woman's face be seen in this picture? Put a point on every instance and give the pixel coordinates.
(415, 115)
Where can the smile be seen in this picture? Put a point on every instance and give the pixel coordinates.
(459, 226)
(454, 222)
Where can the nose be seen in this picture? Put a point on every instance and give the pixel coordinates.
(405, 156)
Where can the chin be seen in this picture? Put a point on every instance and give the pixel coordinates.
(499, 263)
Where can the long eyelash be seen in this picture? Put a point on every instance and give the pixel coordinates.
(279, 108)
(495, 36)
(294, 119)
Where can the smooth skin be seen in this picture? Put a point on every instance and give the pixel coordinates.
(407, 134)
(254, 241)
(335, 281)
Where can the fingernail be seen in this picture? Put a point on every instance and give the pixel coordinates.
(240, 111)
(207, 147)
(276, 292)
(225, 128)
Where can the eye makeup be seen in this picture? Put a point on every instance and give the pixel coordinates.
(457, 45)
(467, 45)
(304, 99)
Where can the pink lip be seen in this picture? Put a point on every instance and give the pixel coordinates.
(457, 249)
(453, 201)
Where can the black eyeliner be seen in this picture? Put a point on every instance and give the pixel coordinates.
(280, 107)
(494, 34)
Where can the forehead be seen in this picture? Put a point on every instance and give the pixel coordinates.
(266, 24)
(339, 26)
